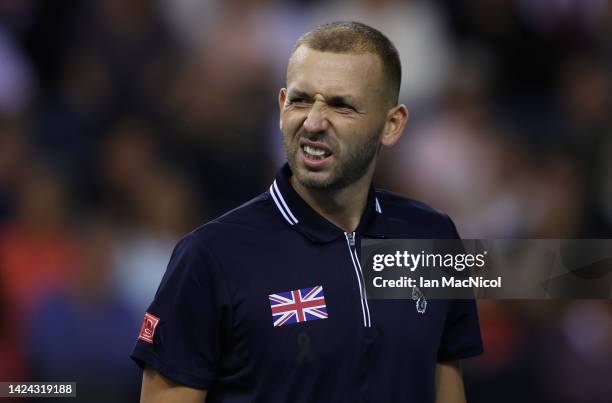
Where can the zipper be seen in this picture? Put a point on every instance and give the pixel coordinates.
(365, 309)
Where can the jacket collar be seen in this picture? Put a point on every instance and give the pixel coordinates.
(301, 217)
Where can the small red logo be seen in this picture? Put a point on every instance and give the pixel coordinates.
(148, 328)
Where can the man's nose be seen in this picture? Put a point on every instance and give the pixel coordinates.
(316, 121)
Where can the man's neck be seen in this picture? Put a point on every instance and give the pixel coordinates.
(342, 207)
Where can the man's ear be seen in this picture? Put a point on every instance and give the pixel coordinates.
(397, 117)
(282, 95)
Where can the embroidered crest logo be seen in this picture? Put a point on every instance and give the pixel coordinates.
(421, 302)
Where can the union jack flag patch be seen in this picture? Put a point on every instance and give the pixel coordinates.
(298, 306)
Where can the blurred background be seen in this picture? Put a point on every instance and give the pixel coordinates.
(126, 123)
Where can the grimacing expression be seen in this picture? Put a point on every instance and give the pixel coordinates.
(332, 116)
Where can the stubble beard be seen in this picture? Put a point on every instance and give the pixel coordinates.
(348, 169)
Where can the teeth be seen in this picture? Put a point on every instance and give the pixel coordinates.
(315, 152)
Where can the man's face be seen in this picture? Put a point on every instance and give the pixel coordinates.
(332, 116)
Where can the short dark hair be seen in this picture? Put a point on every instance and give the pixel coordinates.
(356, 37)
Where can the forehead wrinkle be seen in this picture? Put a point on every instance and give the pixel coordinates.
(360, 73)
(329, 86)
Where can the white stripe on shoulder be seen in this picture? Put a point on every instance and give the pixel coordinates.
(278, 205)
(378, 209)
(280, 196)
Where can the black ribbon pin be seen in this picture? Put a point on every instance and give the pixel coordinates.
(305, 352)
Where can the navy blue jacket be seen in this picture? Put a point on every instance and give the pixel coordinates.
(217, 321)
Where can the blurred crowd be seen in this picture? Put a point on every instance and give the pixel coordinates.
(126, 123)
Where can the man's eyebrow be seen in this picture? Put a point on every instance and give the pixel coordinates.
(300, 94)
(333, 99)
(340, 99)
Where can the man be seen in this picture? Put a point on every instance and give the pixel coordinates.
(267, 303)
